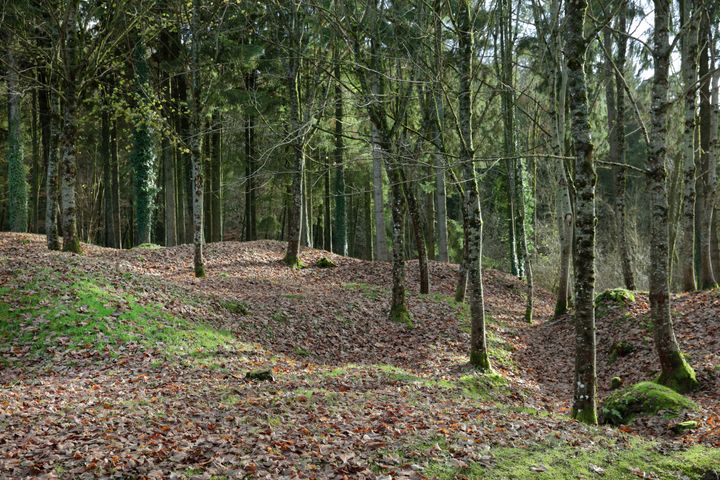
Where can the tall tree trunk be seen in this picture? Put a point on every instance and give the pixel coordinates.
(68, 166)
(584, 402)
(414, 211)
(292, 255)
(479, 357)
(438, 153)
(675, 371)
(108, 219)
(689, 73)
(327, 229)
(49, 119)
(617, 143)
(115, 173)
(381, 251)
(169, 192)
(17, 181)
(524, 243)
(216, 178)
(340, 238)
(708, 179)
(195, 147)
(250, 181)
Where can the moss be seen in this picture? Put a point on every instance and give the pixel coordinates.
(72, 246)
(587, 416)
(553, 461)
(89, 313)
(483, 385)
(237, 307)
(371, 292)
(681, 378)
(294, 262)
(279, 316)
(480, 360)
(149, 246)
(325, 262)
(401, 314)
(199, 271)
(644, 398)
(615, 295)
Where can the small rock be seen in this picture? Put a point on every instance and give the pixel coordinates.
(711, 475)
(260, 375)
(615, 383)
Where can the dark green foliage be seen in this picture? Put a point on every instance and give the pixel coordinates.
(644, 398)
(142, 157)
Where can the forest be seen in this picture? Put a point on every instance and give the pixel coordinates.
(392, 239)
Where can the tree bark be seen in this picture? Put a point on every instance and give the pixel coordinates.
(216, 178)
(195, 146)
(675, 371)
(585, 398)
(340, 238)
(708, 178)
(381, 250)
(479, 357)
(68, 167)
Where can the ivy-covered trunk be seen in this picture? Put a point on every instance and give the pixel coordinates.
(584, 403)
(142, 156)
(17, 181)
(675, 371)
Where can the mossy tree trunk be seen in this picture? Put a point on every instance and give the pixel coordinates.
(381, 250)
(585, 398)
(675, 371)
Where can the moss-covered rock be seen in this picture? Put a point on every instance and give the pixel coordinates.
(148, 246)
(615, 383)
(616, 296)
(644, 398)
(681, 377)
(325, 262)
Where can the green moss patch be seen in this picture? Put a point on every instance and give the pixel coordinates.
(644, 398)
(149, 246)
(563, 462)
(615, 295)
(60, 314)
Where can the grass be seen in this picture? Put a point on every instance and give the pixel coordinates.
(51, 313)
(642, 459)
(371, 292)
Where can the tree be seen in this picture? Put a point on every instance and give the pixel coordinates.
(584, 402)
(195, 139)
(143, 152)
(17, 177)
(465, 26)
(340, 240)
(675, 372)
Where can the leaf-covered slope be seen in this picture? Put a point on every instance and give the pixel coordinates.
(122, 364)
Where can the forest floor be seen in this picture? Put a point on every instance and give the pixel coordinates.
(120, 364)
